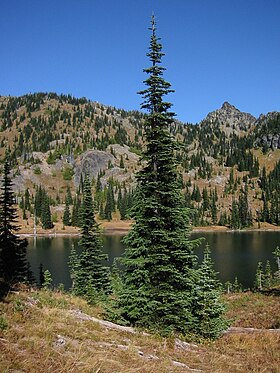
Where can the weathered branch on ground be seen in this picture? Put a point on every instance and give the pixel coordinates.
(110, 325)
(238, 330)
(107, 324)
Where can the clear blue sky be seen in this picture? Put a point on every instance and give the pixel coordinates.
(216, 51)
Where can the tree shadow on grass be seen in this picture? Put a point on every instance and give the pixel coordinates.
(4, 289)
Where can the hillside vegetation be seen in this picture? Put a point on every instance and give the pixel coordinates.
(229, 162)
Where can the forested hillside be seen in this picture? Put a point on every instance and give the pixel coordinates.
(229, 162)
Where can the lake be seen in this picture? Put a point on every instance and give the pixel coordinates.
(234, 253)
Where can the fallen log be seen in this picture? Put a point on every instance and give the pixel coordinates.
(238, 330)
(107, 324)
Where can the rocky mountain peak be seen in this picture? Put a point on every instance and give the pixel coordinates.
(229, 117)
(228, 107)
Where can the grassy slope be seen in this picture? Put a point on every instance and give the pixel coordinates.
(43, 335)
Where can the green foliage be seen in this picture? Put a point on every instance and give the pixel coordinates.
(51, 158)
(90, 277)
(259, 280)
(27, 204)
(235, 221)
(13, 262)
(66, 214)
(209, 309)
(68, 173)
(110, 203)
(121, 162)
(68, 198)
(160, 268)
(236, 286)
(271, 195)
(42, 207)
(46, 215)
(74, 265)
(265, 279)
(37, 170)
(76, 212)
(276, 253)
(3, 323)
(267, 276)
(47, 281)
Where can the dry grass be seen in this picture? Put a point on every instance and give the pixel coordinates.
(43, 335)
(254, 310)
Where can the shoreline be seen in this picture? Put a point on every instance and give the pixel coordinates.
(122, 228)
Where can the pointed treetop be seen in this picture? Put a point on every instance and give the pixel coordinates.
(153, 22)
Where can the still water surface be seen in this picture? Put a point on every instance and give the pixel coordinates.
(234, 253)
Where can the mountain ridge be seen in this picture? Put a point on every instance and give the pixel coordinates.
(53, 139)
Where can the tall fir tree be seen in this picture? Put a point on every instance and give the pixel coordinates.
(46, 214)
(91, 277)
(75, 218)
(27, 200)
(245, 216)
(68, 197)
(66, 213)
(13, 262)
(159, 279)
(110, 202)
(235, 221)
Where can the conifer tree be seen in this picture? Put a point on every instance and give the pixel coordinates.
(213, 209)
(46, 214)
(41, 275)
(108, 207)
(47, 280)
(122, 204)
(39, 197)
(235, 221)
(74, 266)
(209, 309)
(121, 162)
(245, 216)
(276, 253)
(90, 275)
(75, 219)
(66, 214)
(27, 199)
(159, 263)
(236, 286)
(267, 276)
(274, 213)
(101, 211)
(205, 200)
(259, 279)
(110, 203)
(13, 262)
(265, 210)
(68, 198)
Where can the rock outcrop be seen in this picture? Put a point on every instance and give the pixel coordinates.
(268, 131)
(92, 162)
(230, 118)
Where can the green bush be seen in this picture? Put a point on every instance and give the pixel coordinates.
(3, 323)
(37, 170)
(68, 173)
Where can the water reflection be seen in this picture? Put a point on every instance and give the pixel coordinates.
(234, 254)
